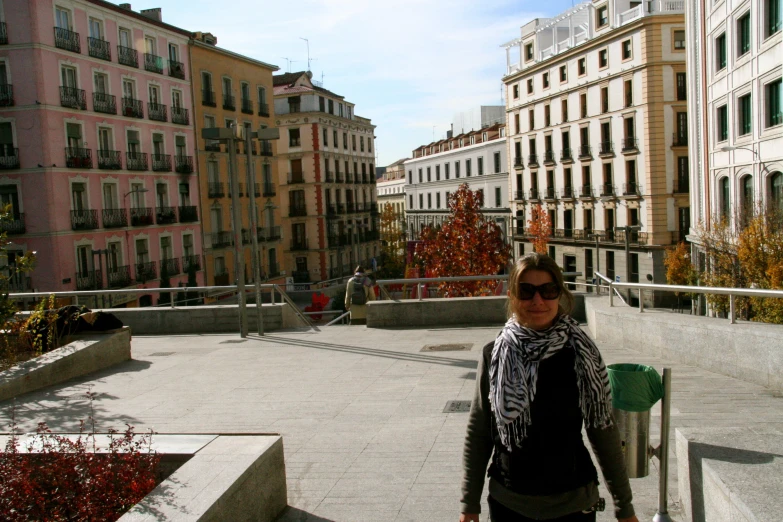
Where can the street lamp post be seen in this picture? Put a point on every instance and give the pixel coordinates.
(597, 237)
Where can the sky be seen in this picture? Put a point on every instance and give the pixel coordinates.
(408, 65)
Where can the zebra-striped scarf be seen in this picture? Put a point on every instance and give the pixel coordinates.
(513, 372)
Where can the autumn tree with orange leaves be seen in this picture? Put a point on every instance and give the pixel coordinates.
(466, 244)
(539, 228)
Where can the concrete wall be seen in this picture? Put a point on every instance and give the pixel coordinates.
(89, 353)
(752, 352)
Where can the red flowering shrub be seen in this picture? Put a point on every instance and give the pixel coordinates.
(69, 480)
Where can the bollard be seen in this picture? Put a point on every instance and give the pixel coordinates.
(611, 294)
(662, 452)
(418, 286)
(732, 310)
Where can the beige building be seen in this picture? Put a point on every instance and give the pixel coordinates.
(598, 135)
(327, 178)
(391, 190)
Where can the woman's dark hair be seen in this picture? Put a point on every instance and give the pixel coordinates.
(359, 270)
(544, 263)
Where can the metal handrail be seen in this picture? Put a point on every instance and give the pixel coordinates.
(295, 308)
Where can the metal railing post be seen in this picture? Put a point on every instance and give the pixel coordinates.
(641, 301)
(732, 310)
(611, 294)
(663, 450)
(418, 286)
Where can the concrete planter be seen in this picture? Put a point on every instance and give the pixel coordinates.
(88, 353)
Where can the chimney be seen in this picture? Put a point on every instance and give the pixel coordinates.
(207, 38)
(156, 13)
(449, 134)
(125, 6)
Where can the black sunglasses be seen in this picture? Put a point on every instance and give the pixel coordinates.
(547, 291)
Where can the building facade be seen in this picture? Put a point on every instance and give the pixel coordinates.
(327, 177)
(229, 89)
(436, 170)
(598, 135)
(736, 134)
(391, 187)
(97, 147)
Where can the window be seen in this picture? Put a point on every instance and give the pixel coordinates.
(62, 18)
(517, 129)
(429, 173)
(326, 138)
(725, 199)
(530, 86)
(456, 169)
(564, 110)
(581, 66)
(481, 197)
(547, 116)
(447, 170)
(531, 118)
(515, 90)
(437, 172)
(683, 176)
(773, 111)
(682, 129)
(604, 99)
(772, 17)
(723, 123)
(528, 52)
(744, 116)
(743, 34)
(563, 73)
(294, 139)
(603, 16)
(720, 52)
(776, 190)
(410, 200)
(467, 168)
(345, 140)
(627, 49)
(437, 200)
(679, 39)
(498, 202)
(480, 162)
(429, 200)
(353, 141)
(421, 201)
(496, 160)
(583, 105)
(545, 80)
(681, 90)
(628, 93)
(603, 58)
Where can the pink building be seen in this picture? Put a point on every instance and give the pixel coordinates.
(96, 146)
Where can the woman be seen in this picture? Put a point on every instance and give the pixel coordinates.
(538, 383)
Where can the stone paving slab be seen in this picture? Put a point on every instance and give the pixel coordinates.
(360, 411)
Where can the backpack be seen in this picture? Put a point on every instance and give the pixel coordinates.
(358, 296)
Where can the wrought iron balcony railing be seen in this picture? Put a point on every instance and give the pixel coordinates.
(215, 189)
(208, 98)
(679, 139)
(297, 210)
(269, 233)
(518, 162)
(6, 95)
(161, 162)
(549, 157)
(170, 266)
(115, 218)
(141, 216)
(534, 195)
(300, 243)
(183, 164)
(682, 185)
(119, 276)
(78, 158)
(188, 214)
(9, 158)
(630, 144)
(532, 160)
(266, 148)
(212, 146)
(191, 263)
(176, 69)
(14, 225)
(66, 39)
(566, 155)
(180, 116)
(585, 152)
(607, 148)
(607, 190)
(550, 193)
(136, 161)
(568, 193)
(105, 103)
(84, 219)
(146, 272)
(632, 189)
(519, 195)
(157, 112)
(247, 106)
(132, 108)
(295, 178)
(586, 191)
(109, 159)
(153, 63)
(127, 56)
(263, 109)
(90, 280)
(98, 48)
(222, 239)
(269, 190)
(229, 102)
(73, 98)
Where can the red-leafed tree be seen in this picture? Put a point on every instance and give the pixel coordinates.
(539, 228)
(466, 244)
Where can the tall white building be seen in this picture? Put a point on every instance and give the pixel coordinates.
(598, 134)
(734, 97)
(438, 169)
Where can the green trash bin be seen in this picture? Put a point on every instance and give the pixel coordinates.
(635, 389)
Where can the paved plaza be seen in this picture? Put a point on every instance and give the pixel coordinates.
(360, 411)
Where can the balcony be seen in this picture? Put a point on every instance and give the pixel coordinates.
(585, 152)
(294, 142)
(630, 145)
(9, 158)
(338, 177)
(68, 40)
(221, 278)
(229, 102)
(73, 98)
(183, 164)
(136, 161)
(518, 164)
(188, 214)
(607, 190)
(161, 162)
(14, 225)
(105, 103)
(157, 112)
(682, 185)
(568, 193)
(550, 193)
(170, 266)
(84, 219)
(301, 276)
(127, 56)
(263, 109)
(191, 263)
(566, 155)
(3, 34)
(534, 195)
(109, 159)
(90, 280)
(300, 244)
(374, 208)
(256, 190)
(153, 63)
(586, 192)
(679, 139)
(215, 189)
(340, 208)
(351, 207)
(247, 106)
(634, 237)
(532, 160)
(607, 149)
(141, 217)
(519, 195)
(269, 233)
(179, 115)
(98, 48)
(295, 178)
(266, 148)
(208, 98)
(549, 157)
(165, 215)
(274, 270)
(632, 189)
(132, 108)
(564, 233)
(78, 158)
(269, 190)
(6, 95)
(115, 218)
(119, 276)
(222, 239)
(212, 146)
(297, 210)
(176, 69)
(146, 272)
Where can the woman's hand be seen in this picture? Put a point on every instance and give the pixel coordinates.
(472, 517)
(629, 519)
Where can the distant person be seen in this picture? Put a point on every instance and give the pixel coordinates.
(538, 383)
(374, 265)
(358, 292)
